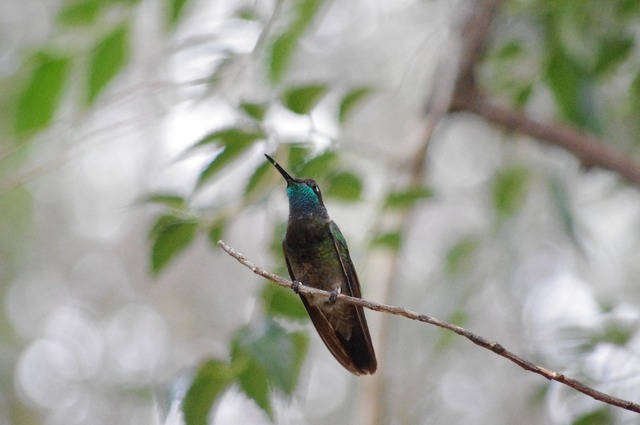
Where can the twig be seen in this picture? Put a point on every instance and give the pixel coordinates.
(476, 339)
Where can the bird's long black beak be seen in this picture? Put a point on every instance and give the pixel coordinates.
(282, 171)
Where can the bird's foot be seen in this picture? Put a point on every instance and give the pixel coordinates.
(295, 285)
(333, 295)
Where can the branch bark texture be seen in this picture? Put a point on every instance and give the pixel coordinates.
(492, 346)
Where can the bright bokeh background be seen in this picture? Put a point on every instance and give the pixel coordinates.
(88, 336)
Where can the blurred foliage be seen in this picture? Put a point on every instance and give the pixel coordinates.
(170, 235)
(170, 200)
(560, 198)
(406, 198)
(459, 256)
(40, 97)
(265, 357)
(577, 51)
(389, 240)
(15, 220)
(302, 100)
(40, 94)
(601, 416)
(345, 185)
(578, 47)
(106, 60)
(613, 333)
(270, 356)
(176, 9)
(80, 13)
(211, 379)
(350, 100)
(509, 191)
(283, 46)
(281, 302)
(232, 142)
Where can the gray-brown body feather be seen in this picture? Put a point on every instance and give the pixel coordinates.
(317, 256)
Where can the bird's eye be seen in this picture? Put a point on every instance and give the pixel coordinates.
(314, 186)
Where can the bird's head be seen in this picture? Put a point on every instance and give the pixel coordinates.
(304, 194)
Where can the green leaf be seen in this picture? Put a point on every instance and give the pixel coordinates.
(570, 86)
(305, 11)
(170, 236)
(509, 190)
(280, 55)
(281, 302)
(254, 110)
(234, 142)
(615, 334)
(216, 231)
(212, 378)
(388, 240)
(283, 47)
(176, 9)
(406, 198)
(82, 13)
(247, 13)
(600, 416)
(627, 9)
(303, 99)
(613, 51)
(256, 178)
(562, 76)
(350, 101)
(300, 341)
(107, 59)
(219, 161)
(345, 186)
(299, 154)
(167, 199)
(230, 136)
(277, 352)
(253, 380)
(317, 166)
(267, 355)
(522, 95)
(458, 256)
(510, 50)
(40, 97)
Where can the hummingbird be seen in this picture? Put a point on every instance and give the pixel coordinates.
(316, 254)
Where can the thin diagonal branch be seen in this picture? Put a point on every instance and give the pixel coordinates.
(492, 346)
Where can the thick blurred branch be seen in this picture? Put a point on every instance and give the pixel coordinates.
(468, 97)
(476, 339)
